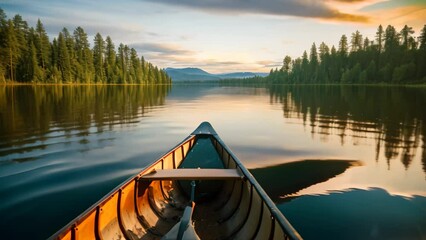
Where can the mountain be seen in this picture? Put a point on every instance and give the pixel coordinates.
(197, 74)
(190, 74)
(241, 75)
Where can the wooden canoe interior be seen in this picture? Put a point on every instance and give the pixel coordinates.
(148, 208)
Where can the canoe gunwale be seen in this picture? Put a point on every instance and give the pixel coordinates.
(193, 174)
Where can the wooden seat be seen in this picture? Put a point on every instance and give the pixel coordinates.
(193, 174)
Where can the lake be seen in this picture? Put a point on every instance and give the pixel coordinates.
(341, 162)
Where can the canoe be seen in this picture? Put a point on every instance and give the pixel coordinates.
(197, 190)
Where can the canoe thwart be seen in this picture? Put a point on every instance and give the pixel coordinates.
(193, 174)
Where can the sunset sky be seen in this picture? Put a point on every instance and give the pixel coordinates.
(221, 35)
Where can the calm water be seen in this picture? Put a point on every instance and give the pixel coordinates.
(340, 162)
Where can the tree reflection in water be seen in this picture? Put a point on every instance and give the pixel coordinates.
(31, 115)
(393, 116)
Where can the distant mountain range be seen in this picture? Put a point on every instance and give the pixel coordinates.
(197, 74)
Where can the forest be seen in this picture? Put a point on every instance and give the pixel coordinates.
(28, 56)
(392, 57)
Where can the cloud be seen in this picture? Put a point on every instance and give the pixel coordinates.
(55, 15)
(161, 49)
(269, 64)
(298, 8)
(172, 55)
(412, 16)
(392, 4)
(165, 54)
(350, 1)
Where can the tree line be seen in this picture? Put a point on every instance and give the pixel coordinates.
(392, 57)
(28, 56)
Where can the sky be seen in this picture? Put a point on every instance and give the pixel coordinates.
(220, 36)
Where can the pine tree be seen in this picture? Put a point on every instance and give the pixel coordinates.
(391, 38)
(305, 66)
(42, 45)
(3, 51)
(343, 45)
(356, 41)
(366, 43)
(406, 33)
(84, 56)
(12, 49)
(421, 56)
(144, 70)
(135, 66)
(126, 64)
(64, 64)
(422, 39)
(3, 18)
(36, 73)
(69, 42)
(379, 38)
(98, 58)
(54, 59)
(110, 56)
(313, 61)
(121, 64)
(287, 64)
(324, 51)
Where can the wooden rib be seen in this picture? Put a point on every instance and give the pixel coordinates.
(193, 174)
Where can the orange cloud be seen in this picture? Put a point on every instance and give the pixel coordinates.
(413, 16)
(350, 1)
(295, 8)
(346, 17)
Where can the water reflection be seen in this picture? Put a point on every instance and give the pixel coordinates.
(36, 117)
(393, 116)
(357, 214)
(296, 176)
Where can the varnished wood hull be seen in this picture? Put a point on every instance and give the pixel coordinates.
(147, 208)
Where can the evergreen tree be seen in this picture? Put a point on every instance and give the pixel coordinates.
(110, 56)
(3, 18)
(313, 56)
(305, 67)
(64, 64)
(69, 42)
(3, 52)
(144, 70)
(42, 45)
(379, 38)
(391, 38)
(126, 64)
(343, 45)
(11, 47)
(35, 72)
(366, 43)
(84, 56)
(287, 64)
(55, 76)
(356, 41)
(98, 58)
(121, 64)
(324, 51)
(406, 33)
(313, 62)
(422, 39)
(135, 67)
(421, 56)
